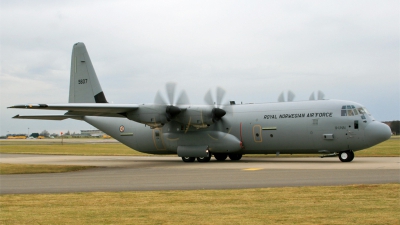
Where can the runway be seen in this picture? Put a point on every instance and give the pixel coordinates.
(139, 173)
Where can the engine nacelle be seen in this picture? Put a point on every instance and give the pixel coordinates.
(198, 117)
(151, 115)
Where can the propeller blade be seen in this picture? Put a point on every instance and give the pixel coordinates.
(291, 96)
(220, 95)
(312, 97)
(170, 87)
(321, 95)
(281, 97)
(159, 99)
(183, 99)
(208, 98)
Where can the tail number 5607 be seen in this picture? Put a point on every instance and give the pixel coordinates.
(82, 81)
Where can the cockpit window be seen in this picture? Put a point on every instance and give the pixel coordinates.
(366, 111)
(363, 111)
(351, 110)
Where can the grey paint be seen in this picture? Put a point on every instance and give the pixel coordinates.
(84, 85)
(269, 128)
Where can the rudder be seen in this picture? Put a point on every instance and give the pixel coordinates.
(84, 85)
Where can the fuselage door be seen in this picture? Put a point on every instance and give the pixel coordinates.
(257, 133)
(157, 138)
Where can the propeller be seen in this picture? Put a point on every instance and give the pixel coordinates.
(217, 112)
(171, 109)
(320, 96)
(290, 97)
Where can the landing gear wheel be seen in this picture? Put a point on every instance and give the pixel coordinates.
(235, 157)
(220, 156)
(346, 156)
(188, 159)
(203, 159)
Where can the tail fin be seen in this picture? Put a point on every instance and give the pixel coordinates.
(84, 86)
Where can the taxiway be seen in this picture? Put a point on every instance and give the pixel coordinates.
(139, 173)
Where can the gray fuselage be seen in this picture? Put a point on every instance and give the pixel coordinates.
(286, 127)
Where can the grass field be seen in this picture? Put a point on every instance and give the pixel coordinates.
(68, 149)
(390, 147)
(355, 204)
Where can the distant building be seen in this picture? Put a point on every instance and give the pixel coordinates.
(34, 135)
(92, 133)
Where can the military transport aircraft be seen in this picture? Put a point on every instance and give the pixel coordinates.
(327, 127)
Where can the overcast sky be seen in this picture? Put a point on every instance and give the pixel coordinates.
(253, 49)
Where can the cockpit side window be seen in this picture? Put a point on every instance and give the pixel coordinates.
(366, 111)
(344, 112)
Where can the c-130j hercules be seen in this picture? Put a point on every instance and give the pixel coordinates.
(328, 127)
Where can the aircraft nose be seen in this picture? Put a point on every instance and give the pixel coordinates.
(377, 132)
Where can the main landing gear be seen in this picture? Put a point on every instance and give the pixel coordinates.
(218, 157)
(199, 159)
(346, 156)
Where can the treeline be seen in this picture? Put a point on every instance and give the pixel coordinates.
(394, 126)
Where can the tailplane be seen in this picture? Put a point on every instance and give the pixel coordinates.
(84, 85)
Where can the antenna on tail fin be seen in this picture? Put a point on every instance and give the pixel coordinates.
(84, 86)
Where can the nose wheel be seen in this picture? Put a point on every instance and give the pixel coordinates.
(346, 156)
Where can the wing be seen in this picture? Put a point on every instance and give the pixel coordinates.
(48, 117)
(77, 110)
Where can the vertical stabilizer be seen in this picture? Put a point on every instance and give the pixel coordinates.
(84, 86)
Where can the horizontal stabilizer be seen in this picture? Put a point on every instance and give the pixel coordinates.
(48, 117)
